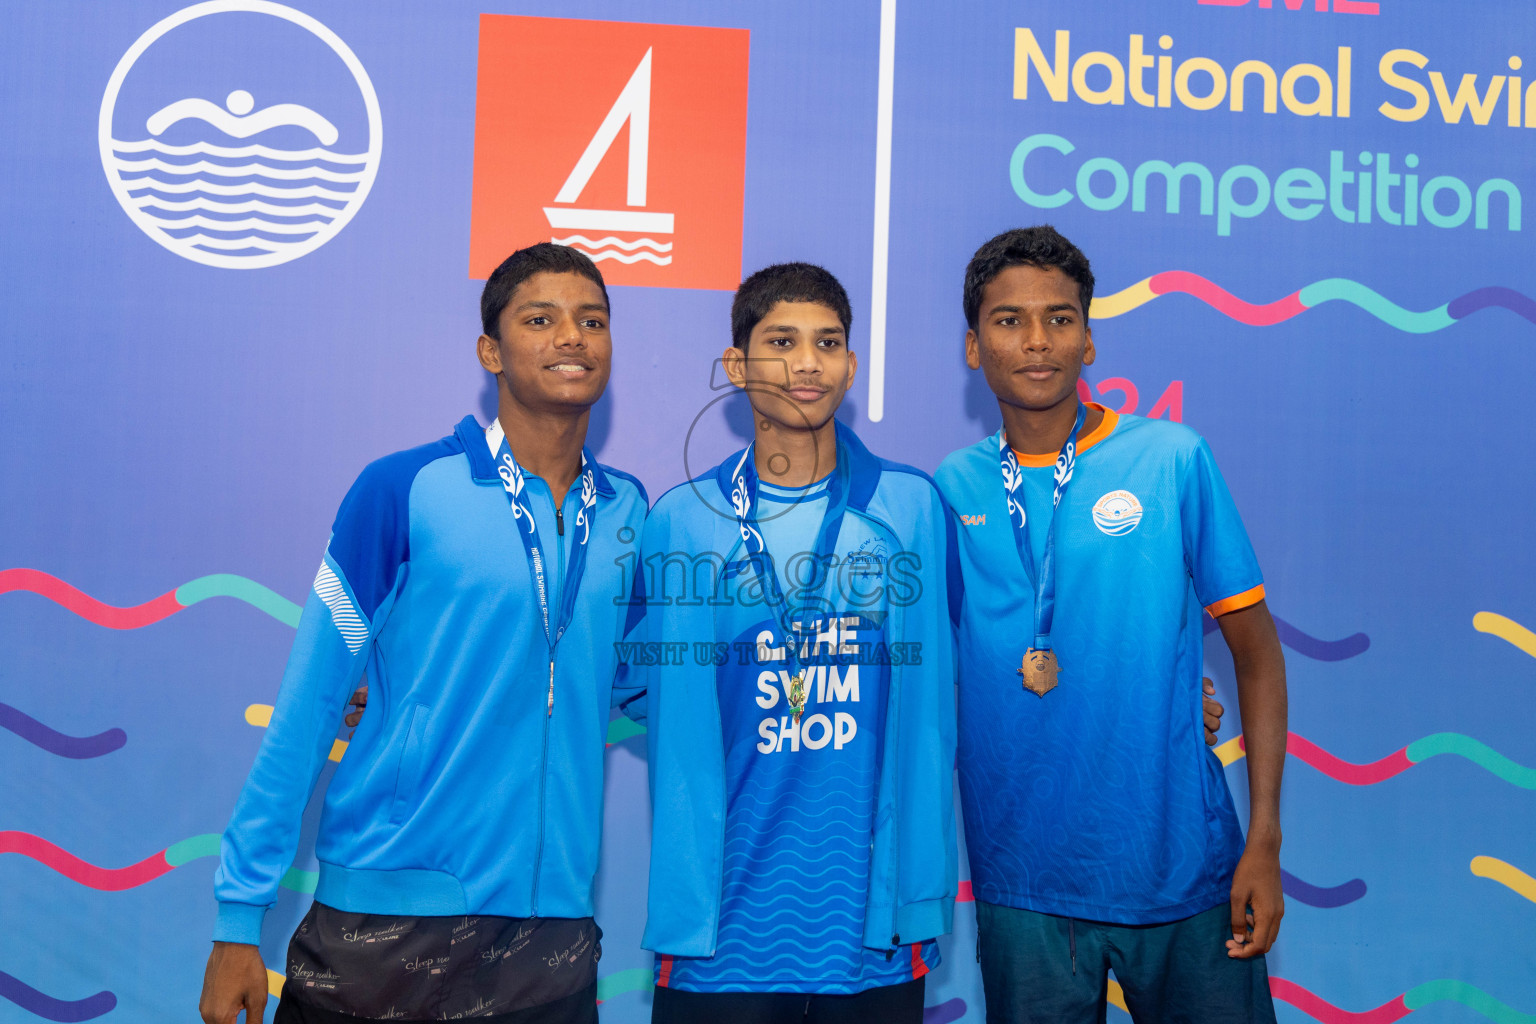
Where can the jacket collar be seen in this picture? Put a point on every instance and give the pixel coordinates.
(482, 468)
(863, 469)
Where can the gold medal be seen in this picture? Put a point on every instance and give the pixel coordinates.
(797, 695)
(1039, 671)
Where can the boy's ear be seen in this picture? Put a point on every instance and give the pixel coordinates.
(488, 351)
(735, 361)
(972, 350)
(1089, 355)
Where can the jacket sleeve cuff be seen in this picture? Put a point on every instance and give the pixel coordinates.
(239, 922)
(928, 919)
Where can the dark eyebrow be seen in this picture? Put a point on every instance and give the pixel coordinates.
(1058, 307)
(545, 304)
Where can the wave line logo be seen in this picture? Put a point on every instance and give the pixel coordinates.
(240, 183)
(1117, 513)
(548, 148)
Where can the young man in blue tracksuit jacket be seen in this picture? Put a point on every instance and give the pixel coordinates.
(802, 715)
(475, 582)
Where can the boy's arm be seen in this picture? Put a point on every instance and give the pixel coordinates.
(1260, 667)
(685, 754)
(927, 860)
(330, 652)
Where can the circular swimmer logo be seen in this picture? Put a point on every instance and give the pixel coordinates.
(240, 141)
(1117, 513)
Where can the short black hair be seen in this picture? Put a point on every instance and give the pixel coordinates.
(785, 282)
(542, 258)
(1040, 246)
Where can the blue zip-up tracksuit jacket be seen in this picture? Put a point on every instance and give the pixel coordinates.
(913, 864)
(461, 791)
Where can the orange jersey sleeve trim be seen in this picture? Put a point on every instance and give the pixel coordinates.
(1104, 429)
(919, 967)
(665, 974)
(1246, 599)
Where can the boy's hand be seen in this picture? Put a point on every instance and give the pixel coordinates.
(360, 701)
(1213, 713)
(235, 980)
(1257, 901)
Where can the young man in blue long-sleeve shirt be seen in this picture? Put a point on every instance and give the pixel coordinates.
(801, 750)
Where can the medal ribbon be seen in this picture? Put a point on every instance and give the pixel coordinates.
(744, 500)
(1043, 581)
(513, 483)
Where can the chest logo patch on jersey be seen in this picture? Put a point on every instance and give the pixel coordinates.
(1117, 513)
(868, 560)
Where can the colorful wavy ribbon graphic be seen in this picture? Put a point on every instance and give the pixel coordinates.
(285, 611)
(1323, 897)
(1415, 998)
(945, 1012)
(1396, 762)
(1505, 874)
(1505, 629)
(134, 875)
(1308, 645)
(1116, 996)
(55, 742)
(221, 584)
(49, 1008)
(1334, 289)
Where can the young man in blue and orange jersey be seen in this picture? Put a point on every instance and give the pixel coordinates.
(1100, 831)
(477, 582)
(803, 847)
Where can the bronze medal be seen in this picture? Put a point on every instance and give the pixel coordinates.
(1039, 671)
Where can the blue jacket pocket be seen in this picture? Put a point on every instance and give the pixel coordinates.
(408, 779)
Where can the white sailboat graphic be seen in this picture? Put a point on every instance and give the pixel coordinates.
(633, 105)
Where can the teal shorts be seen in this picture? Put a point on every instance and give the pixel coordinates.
(1038, 968)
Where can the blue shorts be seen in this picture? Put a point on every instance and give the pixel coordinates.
(1038, 968)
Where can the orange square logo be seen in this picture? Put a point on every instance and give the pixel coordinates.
(623, 140)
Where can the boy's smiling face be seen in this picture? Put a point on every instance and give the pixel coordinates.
(796, 367)
(555, 350)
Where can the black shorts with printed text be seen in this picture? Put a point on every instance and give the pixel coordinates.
(346, 968)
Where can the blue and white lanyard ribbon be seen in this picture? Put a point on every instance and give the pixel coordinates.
(512, 482)
(1044, 580)
(744, 500)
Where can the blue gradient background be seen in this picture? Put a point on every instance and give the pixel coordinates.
(162, 420)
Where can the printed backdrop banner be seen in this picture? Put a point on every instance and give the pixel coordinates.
(245, 243)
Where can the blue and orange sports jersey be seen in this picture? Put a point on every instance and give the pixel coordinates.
(800, 795)
(1099, 800)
